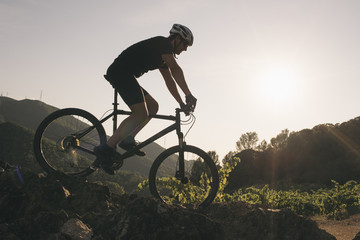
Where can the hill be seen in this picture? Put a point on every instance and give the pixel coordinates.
(311, 156)
(40, 207)
(20, 119)
(29, 114)
(16, 146)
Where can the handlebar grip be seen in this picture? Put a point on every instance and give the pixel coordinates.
(185, 109)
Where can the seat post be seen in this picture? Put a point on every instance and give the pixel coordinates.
(115, 103)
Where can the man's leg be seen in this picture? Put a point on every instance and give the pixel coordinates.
(132, 93)
(152, 107)
(107, 151)
(137, 119)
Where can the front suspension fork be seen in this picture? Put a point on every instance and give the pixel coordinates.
(180, 174)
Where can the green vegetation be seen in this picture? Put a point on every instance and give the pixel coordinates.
(180, 193)
(337, 202)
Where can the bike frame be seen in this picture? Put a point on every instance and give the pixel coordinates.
(175, 126)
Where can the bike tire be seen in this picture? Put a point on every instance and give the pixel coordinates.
(58, 146)
(193, 194)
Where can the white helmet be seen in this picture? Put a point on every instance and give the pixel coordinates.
(184, 32)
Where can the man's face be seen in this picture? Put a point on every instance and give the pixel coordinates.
(182, 46)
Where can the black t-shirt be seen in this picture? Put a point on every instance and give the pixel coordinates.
(142, 56)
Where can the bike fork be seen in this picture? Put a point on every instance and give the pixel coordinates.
(181, 171)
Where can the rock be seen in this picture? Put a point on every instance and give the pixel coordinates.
(140, 218)
(244, 221)
(75, 229)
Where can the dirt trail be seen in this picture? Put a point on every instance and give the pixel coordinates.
(342, 230)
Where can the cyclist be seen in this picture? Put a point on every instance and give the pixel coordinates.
(154, 53)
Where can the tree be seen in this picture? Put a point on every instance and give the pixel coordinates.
(247, 141)
(199, 167)
(214, 156)
(280, 140)
(228, 157)
(262, 146)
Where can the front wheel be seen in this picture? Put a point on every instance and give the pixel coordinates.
(195, 187)
(65, 139)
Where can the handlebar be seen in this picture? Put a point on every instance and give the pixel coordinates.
(185, 109)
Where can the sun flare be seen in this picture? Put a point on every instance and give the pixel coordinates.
(277, 85)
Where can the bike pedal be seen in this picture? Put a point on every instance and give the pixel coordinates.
(118, 161)
(139, 153)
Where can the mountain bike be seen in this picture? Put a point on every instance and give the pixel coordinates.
(182, 174)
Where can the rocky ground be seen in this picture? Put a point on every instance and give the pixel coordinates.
(57, 207)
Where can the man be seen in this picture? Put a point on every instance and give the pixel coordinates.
(154, 53)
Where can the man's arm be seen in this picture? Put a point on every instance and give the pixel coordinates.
(176, 72)
(170, 83)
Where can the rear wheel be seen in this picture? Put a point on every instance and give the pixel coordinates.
(65, 139)
(198, 186)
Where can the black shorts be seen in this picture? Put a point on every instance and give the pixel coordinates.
(128, 87)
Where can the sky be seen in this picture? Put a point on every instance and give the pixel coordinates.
(255, 66)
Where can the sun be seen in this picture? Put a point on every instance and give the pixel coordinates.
(277, 85)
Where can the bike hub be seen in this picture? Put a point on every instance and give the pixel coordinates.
(69, 143)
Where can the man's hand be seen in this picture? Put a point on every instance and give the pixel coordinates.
(186, 109)
(191, 102)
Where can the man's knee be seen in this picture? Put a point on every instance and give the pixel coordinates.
(152, 104)
(139, 112)
(154, 108)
